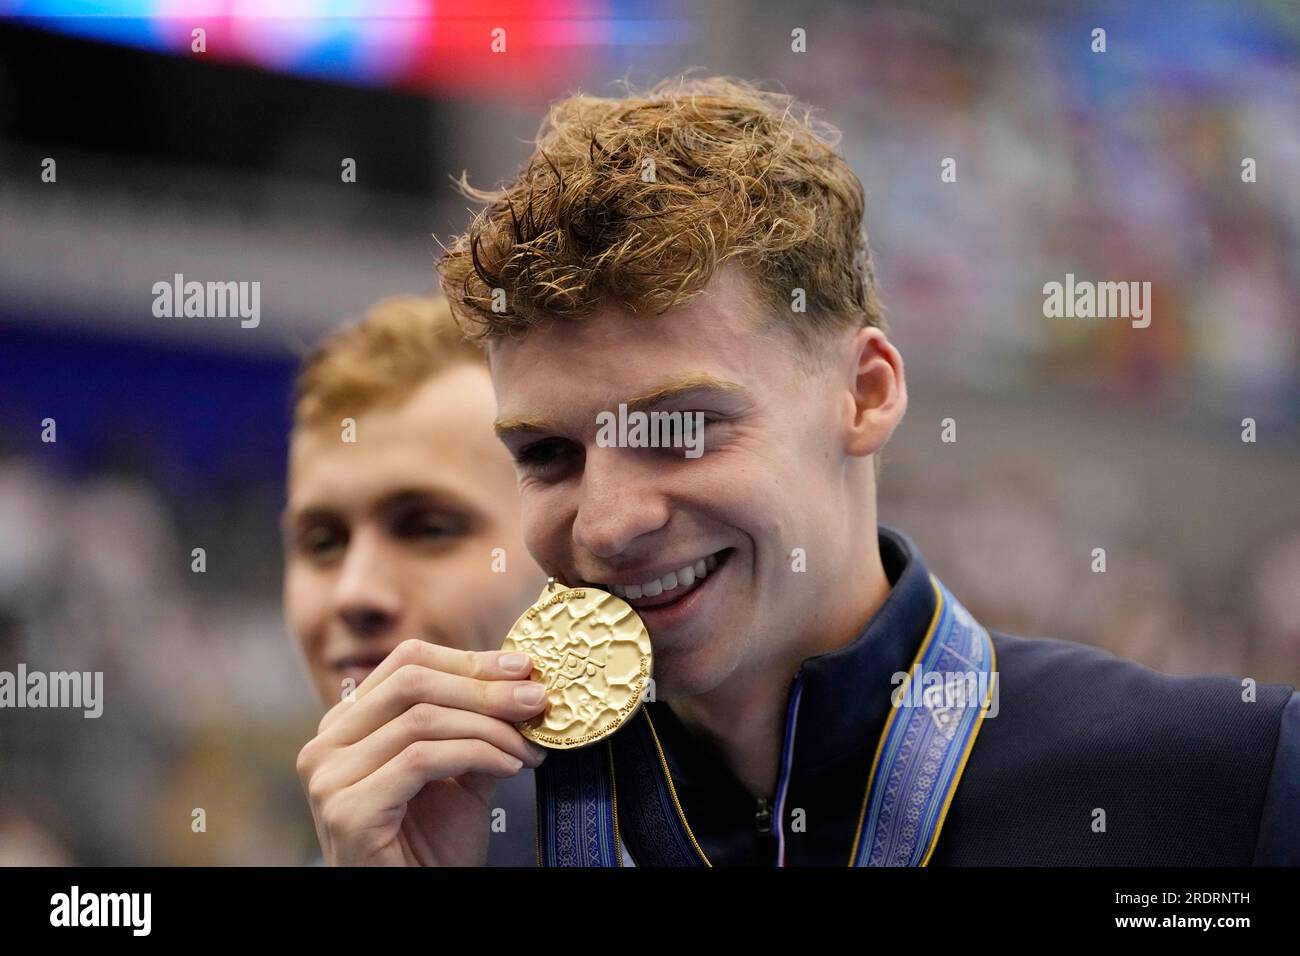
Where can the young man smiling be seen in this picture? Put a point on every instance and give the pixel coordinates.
(699, 249)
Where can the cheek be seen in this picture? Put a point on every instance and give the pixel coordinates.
(750, 492)
(543, 522)
(306, 607)
(468, 605)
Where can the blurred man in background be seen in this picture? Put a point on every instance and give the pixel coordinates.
(402, 523)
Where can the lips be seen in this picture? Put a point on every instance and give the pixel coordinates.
(369, 660)
(356, 666)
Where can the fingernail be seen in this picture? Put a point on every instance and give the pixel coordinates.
(531, 694)
(513, 662)
(539, 753)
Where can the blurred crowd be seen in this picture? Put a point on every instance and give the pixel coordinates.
(1118, 166)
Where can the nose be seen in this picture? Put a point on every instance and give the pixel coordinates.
(367, 597)
(618, 502)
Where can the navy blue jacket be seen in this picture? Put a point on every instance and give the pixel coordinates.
(1185, 771)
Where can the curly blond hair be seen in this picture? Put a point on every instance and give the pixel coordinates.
(638, 200)
(402, 341)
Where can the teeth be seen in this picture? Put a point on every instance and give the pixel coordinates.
(682, 577)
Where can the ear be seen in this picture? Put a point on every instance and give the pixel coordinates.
(877, 392)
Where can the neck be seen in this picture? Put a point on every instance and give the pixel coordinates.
(745, 716)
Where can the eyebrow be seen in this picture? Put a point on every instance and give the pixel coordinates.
(292, 520)
(699, 383)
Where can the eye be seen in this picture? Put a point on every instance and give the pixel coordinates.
(424, 525)
(322, 541)
(700, 437)
(706, 419)
(543, 454)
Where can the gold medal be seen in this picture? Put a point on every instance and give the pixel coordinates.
(593, 654)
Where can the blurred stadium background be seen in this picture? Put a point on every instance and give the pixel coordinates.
(226, 165)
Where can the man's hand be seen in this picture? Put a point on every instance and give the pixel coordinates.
(403, 774)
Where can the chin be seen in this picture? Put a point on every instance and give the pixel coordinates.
(687, 673)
